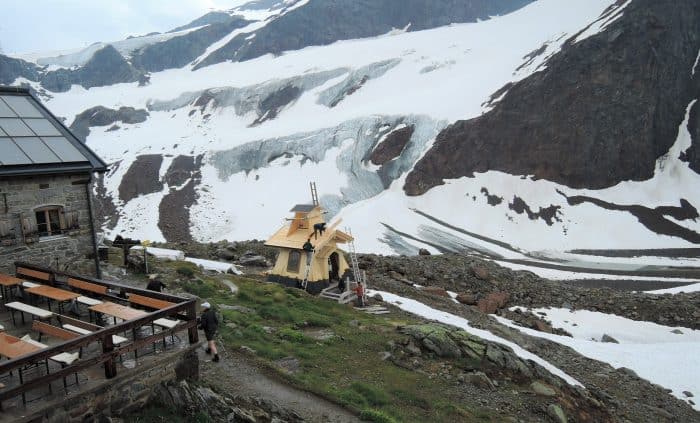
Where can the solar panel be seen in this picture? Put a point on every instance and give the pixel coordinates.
(302, 208)
(22, 106)
(64, 149)
(10, 154)
(5, 110)
(37, 151)
(15, 127)
(42, 127)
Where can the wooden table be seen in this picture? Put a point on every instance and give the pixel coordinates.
(51, 293)
(6, 284)
(118, 310)
(13, 347)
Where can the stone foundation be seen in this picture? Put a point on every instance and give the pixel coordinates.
(130, 391)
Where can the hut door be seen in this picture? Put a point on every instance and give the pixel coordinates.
(335, 266)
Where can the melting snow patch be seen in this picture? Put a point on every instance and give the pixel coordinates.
(216, 266)
(420, 309)
(677, 290)
(162, 253)
(663, 355)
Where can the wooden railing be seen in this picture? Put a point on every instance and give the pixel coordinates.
(183, 309)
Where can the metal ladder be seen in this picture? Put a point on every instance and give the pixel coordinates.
(359, 277)
(314, 193)
(307, 272)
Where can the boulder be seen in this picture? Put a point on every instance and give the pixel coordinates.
(608, 338)
(378, 297)
(493, 302)
(542, 389)
(225, 254)
(423, 252)
(253, 260)
(466, 298)
(543, 326)
(556, 413)
(479, 379)
(480, 272)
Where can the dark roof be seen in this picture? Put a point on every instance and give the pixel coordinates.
(33, 141)
(303, 208)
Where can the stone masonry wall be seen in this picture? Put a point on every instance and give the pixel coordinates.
(22, 195)
(128, 392)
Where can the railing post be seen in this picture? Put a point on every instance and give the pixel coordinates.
(110, 365)
(192, 316)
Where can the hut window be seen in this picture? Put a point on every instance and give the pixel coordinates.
(49, 221)
(293, 262)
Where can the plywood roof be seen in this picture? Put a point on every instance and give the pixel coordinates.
(296, 240)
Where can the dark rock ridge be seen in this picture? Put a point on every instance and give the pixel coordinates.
(653, 219)
(174, 208)
(106, 67)
(11, 69)
(602, 111)
(179, 51)
(207, 19)
(102, 116)
(322, 22)
(142, 177)
(392, 146)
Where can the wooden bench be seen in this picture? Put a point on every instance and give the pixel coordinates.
(36, 312)
(64, 359)
(87, 286)
(23, 272)
(65, 320)
(50, 330)
(149, 302)
(116, 339)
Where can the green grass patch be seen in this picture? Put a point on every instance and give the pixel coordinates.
(376, 416)
(346, 368)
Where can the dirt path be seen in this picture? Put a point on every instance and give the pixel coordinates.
(237, 375)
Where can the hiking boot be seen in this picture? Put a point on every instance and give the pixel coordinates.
(216, 358)
(208, 350)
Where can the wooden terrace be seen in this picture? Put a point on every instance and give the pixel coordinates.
(49, 352)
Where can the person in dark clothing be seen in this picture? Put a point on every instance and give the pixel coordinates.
(155, 284)
(319, 227)
(309, 248)
(210, 324)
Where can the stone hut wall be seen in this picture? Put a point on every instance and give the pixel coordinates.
(19, 196)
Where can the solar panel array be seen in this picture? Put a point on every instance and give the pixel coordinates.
(28, 137)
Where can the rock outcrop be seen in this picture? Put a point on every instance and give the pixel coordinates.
(602, 111)
(103, 116)
(106, 67)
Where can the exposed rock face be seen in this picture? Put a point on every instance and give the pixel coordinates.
(106, 67)
(322, 22)
(11, 69)
(142, 177)
(193, 400)
(207, 19)
(179, 51)
(392, 146)
(102, 116)
(174, 209)
(602, 111)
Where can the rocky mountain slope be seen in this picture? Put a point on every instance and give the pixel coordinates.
(503, 128)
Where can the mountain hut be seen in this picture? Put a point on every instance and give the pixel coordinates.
(328, 262)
